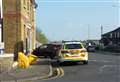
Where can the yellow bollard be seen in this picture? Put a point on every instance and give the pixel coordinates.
(23, 61)
(32, 58)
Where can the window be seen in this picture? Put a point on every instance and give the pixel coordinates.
(73, 46)
(111, 35)
(115, 35)
(118, 35)
(28, 5)
(24, 2)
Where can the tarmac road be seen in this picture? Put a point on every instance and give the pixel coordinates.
(101, 68)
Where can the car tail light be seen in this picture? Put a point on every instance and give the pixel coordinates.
(83, 55)
(83, 51)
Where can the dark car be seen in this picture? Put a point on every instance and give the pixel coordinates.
(91, 48)
(47, 50)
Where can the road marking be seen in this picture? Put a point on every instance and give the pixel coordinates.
(105, 61)
(92, 60)
(60, 73)
(101, 69)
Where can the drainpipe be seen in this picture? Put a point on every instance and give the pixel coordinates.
(1, 21)
(1, 29)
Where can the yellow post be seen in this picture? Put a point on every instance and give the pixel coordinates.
(23, 61)
(32, 58)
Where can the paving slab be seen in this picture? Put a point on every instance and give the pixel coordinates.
(39, 70)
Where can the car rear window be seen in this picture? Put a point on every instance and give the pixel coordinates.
(73, 46)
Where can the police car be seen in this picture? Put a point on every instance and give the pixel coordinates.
(73, 51)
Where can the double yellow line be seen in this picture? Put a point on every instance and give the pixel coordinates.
(59, 74)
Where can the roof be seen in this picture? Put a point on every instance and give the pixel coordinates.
(72, 42)
(116, 30)
(55, 43)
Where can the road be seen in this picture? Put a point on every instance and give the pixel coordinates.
(101, 68)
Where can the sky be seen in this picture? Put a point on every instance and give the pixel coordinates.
(77, 19)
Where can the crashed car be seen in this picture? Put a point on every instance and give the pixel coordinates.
(47, 50)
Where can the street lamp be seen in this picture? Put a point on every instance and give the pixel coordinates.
(88, 31)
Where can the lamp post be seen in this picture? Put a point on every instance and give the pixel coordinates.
(101, 31)
(88, 31)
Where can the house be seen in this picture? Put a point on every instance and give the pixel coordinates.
(112, 37)
(111, 40)
(19, 25)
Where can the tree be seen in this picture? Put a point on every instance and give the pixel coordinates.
(40, 37)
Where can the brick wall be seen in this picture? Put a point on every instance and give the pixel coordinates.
(17, 16)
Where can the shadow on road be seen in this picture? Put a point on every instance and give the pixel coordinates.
(42, 62)
(57, 64)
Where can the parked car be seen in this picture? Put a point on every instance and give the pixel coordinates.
(91, 48)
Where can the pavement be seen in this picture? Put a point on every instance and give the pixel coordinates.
(100, 68)
(42, 69)
(109, 53)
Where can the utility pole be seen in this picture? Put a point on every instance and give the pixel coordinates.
(101, 30)
(101, 43)
(88, 31)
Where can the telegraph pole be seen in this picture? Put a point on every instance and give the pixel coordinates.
(88, 32)
(101, 30)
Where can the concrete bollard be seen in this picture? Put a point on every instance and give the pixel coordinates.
(6, 61)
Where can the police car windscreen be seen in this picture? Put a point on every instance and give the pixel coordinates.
(73, 46)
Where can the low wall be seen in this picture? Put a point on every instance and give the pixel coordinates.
(113, 49)
(6, 61)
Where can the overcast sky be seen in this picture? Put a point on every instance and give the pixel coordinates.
(77, 19)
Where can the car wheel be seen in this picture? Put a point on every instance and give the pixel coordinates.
(57, 61)
(51, 57)
(85, 62)
(45, 56)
